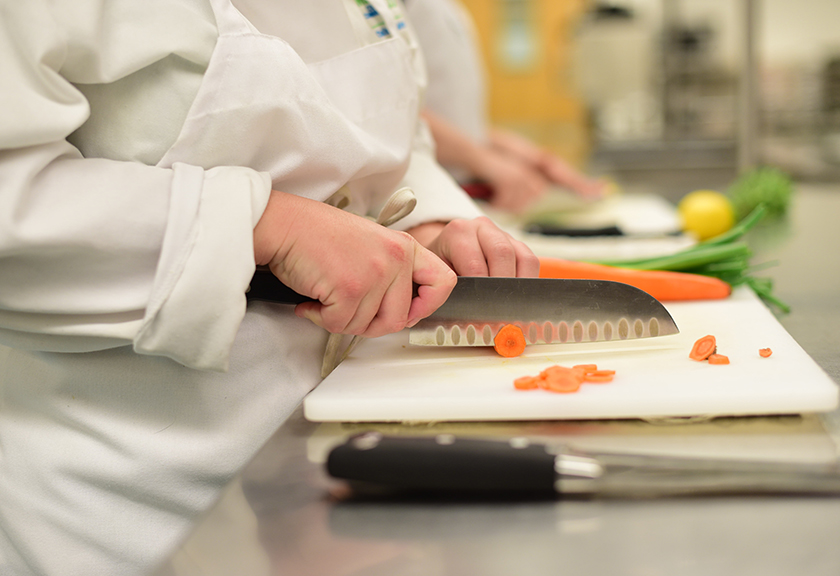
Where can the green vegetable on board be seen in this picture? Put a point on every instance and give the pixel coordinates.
(768, 186)
(725, 256)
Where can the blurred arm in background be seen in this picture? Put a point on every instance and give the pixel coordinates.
(509, 168)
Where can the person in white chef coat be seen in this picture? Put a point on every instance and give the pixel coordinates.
(510, 169)
(150, 157)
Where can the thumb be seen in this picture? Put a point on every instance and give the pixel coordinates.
(434, 280)
(311, 311)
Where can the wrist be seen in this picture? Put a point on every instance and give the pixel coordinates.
(274, 226)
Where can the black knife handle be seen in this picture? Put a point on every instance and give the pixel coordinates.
(443, 463)
(267, 287)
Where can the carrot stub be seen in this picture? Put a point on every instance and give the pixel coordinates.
(703, 348)
(765, 352)
(510, 341)
(718, 359)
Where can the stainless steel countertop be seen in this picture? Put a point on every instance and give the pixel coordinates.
(284, 516)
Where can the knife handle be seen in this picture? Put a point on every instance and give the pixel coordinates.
(267, 287)
(443, 463)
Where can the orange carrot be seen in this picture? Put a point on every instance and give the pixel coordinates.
(661, 284)
(562, 379)
(718, 359)
(703, 348)
(526, 383)
(564, 385)
(600, 376)
(565, 380)
(510, 341)
(765, 352)
(556, 371)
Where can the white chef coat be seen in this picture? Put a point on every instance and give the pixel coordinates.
(138, 146)
(456, 73)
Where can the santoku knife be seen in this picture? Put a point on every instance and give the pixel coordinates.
(547, 310)
(372, 462)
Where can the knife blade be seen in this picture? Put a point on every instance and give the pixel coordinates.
(373, 462)
(547, 310)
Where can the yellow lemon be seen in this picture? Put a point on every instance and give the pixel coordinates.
(706, 213)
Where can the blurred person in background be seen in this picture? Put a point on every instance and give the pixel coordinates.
(514, 171)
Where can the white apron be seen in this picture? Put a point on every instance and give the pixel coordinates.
(337, 113)
(109, 456)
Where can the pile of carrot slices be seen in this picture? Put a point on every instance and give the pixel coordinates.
(563, 379)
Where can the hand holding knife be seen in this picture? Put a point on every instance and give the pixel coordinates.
(548, 310)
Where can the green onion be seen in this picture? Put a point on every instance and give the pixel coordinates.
(724, 256)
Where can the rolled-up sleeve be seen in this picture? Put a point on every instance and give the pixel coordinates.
(98, 253)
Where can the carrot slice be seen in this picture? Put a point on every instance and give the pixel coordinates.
(663, 285)
(703, 348)
(556, 371)
(586, 367)
(563, 382)
(718, 359)
(765, 352)
(600, 376)
(526, 383)
(510, 341)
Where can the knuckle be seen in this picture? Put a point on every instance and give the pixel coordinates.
(474, 267)
(528, 263)
(503, 249)
(400, 246)
(353, 289)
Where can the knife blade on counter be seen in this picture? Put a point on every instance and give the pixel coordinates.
(445, 464)
(547, 310)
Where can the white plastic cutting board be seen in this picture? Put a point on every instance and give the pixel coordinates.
(387, 380)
